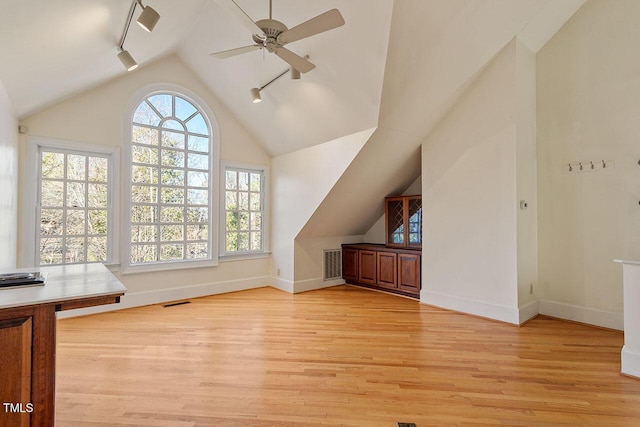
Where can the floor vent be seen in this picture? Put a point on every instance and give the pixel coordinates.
(332, 264)
(173, 304)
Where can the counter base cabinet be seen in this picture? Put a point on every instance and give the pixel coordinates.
(409, 273)
(28, 339)
(380, 267)
(367, 267)
(350, 264)
(27, 363)
(387, 269)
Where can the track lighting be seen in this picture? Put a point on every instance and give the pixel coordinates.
(255, 92)
(255, 95)
(148, 18)
(127, 60)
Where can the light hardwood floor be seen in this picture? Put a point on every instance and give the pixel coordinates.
(339, 356)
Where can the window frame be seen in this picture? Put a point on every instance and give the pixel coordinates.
(30, 199)
(214, 158)
(264, 171)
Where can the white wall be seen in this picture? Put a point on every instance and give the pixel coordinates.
(97, 117)
(8, 182)
(299, 182)
(588, 90)
(469, 196)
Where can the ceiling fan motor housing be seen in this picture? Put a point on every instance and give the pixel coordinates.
(272, 29)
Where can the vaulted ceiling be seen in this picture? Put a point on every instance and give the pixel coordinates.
(52, 50)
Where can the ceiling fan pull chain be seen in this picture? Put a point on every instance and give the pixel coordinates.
(270, 8)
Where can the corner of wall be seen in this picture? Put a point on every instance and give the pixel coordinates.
(8, 181)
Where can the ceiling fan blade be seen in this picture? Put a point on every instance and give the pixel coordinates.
(237, 51)
(321, 23)
(233, 9)
(295, 60)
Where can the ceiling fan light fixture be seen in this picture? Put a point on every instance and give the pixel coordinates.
(127, 60)
(255, 95)
(295, 74)
(148, 18)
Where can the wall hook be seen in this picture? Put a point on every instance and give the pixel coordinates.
(604, 165)
(581, 166)
(592, 167)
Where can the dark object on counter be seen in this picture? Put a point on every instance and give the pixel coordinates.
(10, 280)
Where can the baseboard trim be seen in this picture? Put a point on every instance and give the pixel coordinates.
(630, 362)
(282, 284)
(528, 311)
(605, 319)
(476, 308)
(139, 299)
(313, 284)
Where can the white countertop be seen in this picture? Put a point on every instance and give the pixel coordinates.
(63, 283)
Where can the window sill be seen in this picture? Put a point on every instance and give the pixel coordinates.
(157, 267)
(243, 257)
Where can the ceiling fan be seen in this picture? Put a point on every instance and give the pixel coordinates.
(272, 35)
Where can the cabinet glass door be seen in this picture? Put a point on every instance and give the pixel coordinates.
(395, 223)
(414, 209)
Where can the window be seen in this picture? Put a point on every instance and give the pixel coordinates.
(244, 210)
(170, 190)
(73, 204)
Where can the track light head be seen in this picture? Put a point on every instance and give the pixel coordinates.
(148, 18)
(255, 95)
(127, 60)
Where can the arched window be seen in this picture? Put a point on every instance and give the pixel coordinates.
(171, 183)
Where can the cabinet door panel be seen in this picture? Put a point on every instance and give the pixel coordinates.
(409, 272)
(15, 367)
(414, 221)
(350, 265)
(367, 267)
(395, 222)
(387, 270)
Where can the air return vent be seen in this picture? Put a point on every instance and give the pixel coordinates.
(332, 264)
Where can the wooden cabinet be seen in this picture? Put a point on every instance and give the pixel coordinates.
(27, 364)
(367, 271)
(387, 267)
(28, 338)
(409, 272)
(395, 266)
(350, 264)
(403, 221)
(380, 267)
